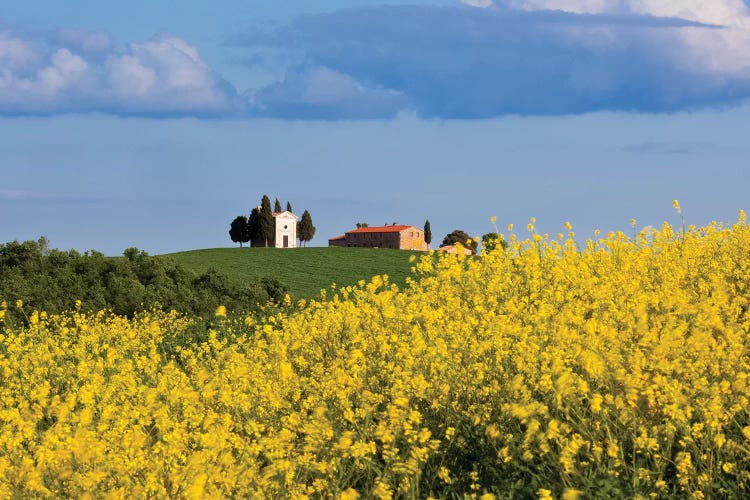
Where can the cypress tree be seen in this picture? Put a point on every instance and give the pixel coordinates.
(267, 223)
(288, 207)
(253, 227)
(277, 206)
(427, 233)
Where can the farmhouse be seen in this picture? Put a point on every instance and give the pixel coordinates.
(396, 236)
(286, 229)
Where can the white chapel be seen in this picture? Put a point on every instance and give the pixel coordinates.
(286, 229)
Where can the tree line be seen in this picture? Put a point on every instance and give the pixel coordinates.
(53, 280)
(259, 228)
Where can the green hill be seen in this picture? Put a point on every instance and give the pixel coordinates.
(305, 271)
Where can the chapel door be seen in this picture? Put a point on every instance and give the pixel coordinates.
(286, 241)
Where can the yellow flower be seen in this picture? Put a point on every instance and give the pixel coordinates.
(596, 403)
(197, 489)
(571, 494)
(492, 431)
(444, 475)
(382, 491)
(613, 451)
(544, 494)
(221, 311)
(349, 494)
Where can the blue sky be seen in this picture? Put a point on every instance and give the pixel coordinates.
(153, 124)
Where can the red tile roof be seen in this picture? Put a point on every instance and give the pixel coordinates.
(379, 229)
(342, 237)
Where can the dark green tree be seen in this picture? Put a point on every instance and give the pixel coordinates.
(427, 233)
(360, 225)
(305, 228)
(253, 227)
(459, 236)
(492, 241)
(277, 206)
(239, 231)
(288, 207)
(267, 226)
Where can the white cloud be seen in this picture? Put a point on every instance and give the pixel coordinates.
(15, 54)
(725, 50)
(66, 70)
(16, 195)
(478, 3)
(77, 71)
(576, 6)
(322, 93)
(45, 88)
(164, 75)
(89, 43)
(724, 12)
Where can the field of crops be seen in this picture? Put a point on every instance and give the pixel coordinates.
(617, 368)
(304, 271)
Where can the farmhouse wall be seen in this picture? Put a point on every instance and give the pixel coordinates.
(395, 237)
(412, 238)
(379, 240)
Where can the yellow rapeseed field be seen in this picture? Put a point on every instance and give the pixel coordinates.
(547, 370)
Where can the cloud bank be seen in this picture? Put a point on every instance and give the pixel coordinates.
(522, 57)
(71, 71)
(476, 59)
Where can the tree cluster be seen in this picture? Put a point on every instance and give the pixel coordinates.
(259, 228)
(459, 236)
(52, 281)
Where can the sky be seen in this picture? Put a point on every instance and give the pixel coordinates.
(154, 123)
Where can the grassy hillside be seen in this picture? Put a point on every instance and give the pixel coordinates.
(304, 270)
